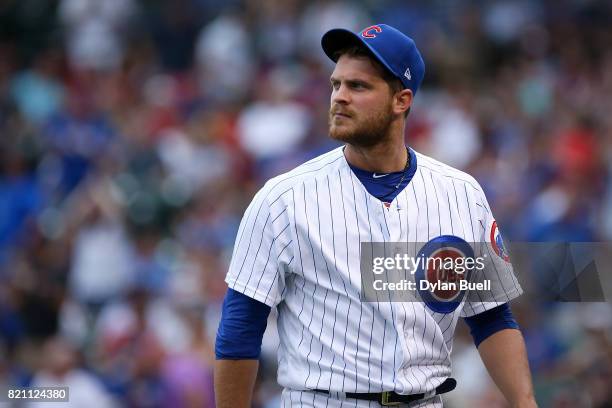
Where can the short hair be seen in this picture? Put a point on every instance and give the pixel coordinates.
(357, 50)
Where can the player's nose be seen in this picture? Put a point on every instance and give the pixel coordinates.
(340, 95)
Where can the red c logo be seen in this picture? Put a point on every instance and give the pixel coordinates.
(367, 32)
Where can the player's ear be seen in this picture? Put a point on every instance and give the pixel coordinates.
(403, 101)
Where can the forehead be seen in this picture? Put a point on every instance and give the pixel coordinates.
(356, 67)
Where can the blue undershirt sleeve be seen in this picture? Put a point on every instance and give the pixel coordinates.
(487, 323)
(243, 323)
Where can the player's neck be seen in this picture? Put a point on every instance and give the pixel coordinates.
(385, 157)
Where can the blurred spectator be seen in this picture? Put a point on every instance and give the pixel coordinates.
(451, 125)
(39, 92)
(322, 15)
(103, 261)
(174, 28)
(225, 58)
(60, 368)
(276, 124)
(188, 374)
(22, 195)
(95, 31)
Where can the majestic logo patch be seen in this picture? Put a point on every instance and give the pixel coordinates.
(497, 243)
(438, 279)
(371, 31)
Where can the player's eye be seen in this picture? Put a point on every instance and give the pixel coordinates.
(357, 85)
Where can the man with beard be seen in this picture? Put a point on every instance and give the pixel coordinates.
(303, 240)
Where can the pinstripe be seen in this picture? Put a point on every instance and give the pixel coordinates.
(467, 200)
(458, 210)
(251, 240)
(416, 239)
(450, 212)
(277, 277)
(392, 319)
(437, 201)
(381, 209)
(281, 252)
(329, 276)
(331, 211)
(399, 218)
(471, 224)
(267, 259)
(343, 282)
(314, 291)
(372, 328)
(360, 304)
(442, 316)
(426, 204)
(425, 348)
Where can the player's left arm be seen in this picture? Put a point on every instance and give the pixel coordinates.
(499, 341)
(495, 331)
(504, 355)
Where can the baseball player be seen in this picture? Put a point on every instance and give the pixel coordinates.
(300, 245)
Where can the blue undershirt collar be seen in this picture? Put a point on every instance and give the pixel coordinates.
(383, 186)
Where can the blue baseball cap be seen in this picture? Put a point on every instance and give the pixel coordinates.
(394, 50)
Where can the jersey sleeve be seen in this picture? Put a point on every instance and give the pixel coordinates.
(496, 267)
(262, 251)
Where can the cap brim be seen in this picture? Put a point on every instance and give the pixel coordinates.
(337, 39)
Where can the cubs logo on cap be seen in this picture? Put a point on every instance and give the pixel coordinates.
(393, 49)
(370, 32)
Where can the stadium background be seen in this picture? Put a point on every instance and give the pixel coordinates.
(134, 133)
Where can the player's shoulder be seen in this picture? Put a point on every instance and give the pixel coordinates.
(316, 168)
(445, 172)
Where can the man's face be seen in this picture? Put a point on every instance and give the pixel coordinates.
(361, 103)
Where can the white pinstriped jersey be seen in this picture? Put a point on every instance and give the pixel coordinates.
(298, 248)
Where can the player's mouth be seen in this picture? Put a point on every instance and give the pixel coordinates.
(340, 114)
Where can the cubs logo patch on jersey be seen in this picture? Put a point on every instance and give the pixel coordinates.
(439, 275)
(497, 242)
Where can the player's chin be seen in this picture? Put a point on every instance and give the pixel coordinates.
(355, 138)
(341, 133)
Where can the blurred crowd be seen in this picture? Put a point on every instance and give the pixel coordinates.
(133, 135)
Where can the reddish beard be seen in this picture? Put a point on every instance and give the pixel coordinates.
(364, 131)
